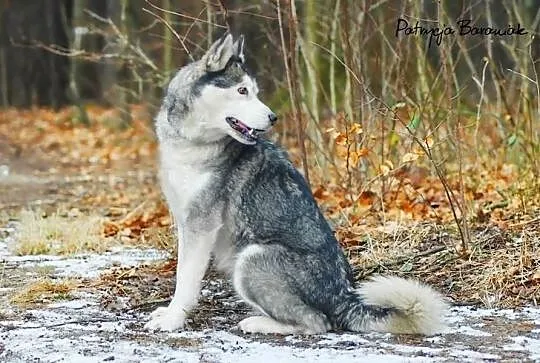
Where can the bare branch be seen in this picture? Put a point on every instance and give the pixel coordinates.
(171, 29)
(184, 15)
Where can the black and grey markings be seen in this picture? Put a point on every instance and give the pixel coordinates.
(176, 109)
(233, 74)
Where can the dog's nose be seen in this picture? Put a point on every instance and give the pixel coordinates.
(273, 118)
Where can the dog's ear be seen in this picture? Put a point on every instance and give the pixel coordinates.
(239, 48)
(217, 57)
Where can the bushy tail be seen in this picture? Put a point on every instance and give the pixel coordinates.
(395, 305)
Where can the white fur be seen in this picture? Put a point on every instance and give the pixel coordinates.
(267, 325)
(241, 258)
(184, 148)
(421, 309)
(218, 55)
(216, 104)
(183, 177)
(193, 258)
(206, 119)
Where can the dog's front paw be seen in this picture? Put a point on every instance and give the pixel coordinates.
(166, 319)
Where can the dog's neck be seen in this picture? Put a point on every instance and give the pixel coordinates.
(188, 152)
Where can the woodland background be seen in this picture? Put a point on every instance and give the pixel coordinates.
(424, 158)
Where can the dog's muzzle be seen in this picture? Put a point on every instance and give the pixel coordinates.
(247, 133)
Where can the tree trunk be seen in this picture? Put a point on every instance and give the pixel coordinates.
(31, 74)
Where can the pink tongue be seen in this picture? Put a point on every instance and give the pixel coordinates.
(242, 126)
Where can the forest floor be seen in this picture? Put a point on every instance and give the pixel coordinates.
(67, 298)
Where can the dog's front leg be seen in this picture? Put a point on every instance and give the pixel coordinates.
(194, 250)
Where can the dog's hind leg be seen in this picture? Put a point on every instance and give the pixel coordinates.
(262, 278)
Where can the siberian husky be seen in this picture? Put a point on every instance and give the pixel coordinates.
(236, 197)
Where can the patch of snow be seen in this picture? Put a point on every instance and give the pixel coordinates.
(436, 339)
(411, 349)
(89, 342)
(471, 355)
(74, 304)
(97, 341)
(333, 339)
(54, 338)
(91, 266)
(485, 312)
(530, 345)
(467, 330)
(88, 265)
(231, 348)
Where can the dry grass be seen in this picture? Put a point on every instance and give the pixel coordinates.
(388, 242)
(501, 269)
(57, 234)
(44, 291)
(4, 217)
(159, 237)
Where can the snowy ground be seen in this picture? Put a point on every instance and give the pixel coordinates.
(82, 330)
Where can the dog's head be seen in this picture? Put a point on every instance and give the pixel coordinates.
(215, 97)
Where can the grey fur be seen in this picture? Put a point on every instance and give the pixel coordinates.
(254, 213)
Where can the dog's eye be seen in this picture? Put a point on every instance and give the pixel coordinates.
(243, 90)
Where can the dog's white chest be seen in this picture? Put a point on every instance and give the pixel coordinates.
(183, 182)
(187, 183)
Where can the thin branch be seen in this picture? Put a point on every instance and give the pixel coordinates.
(481, 86)
(184, 15)
(347, 68)
(171, 29)
(293, 25)
(78, 321)
(225, 13)
(252, 14)
(137, 50)
(522, 75)
(191, 26)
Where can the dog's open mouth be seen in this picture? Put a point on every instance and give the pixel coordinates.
(244, 131)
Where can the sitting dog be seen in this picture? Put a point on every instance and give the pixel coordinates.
(236, 197)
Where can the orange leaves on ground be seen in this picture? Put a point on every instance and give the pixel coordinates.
(145, 215)
(60, 137)
(366, 198)
(320, 193)
(341, 139)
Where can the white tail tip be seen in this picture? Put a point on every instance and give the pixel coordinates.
(420, 308)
